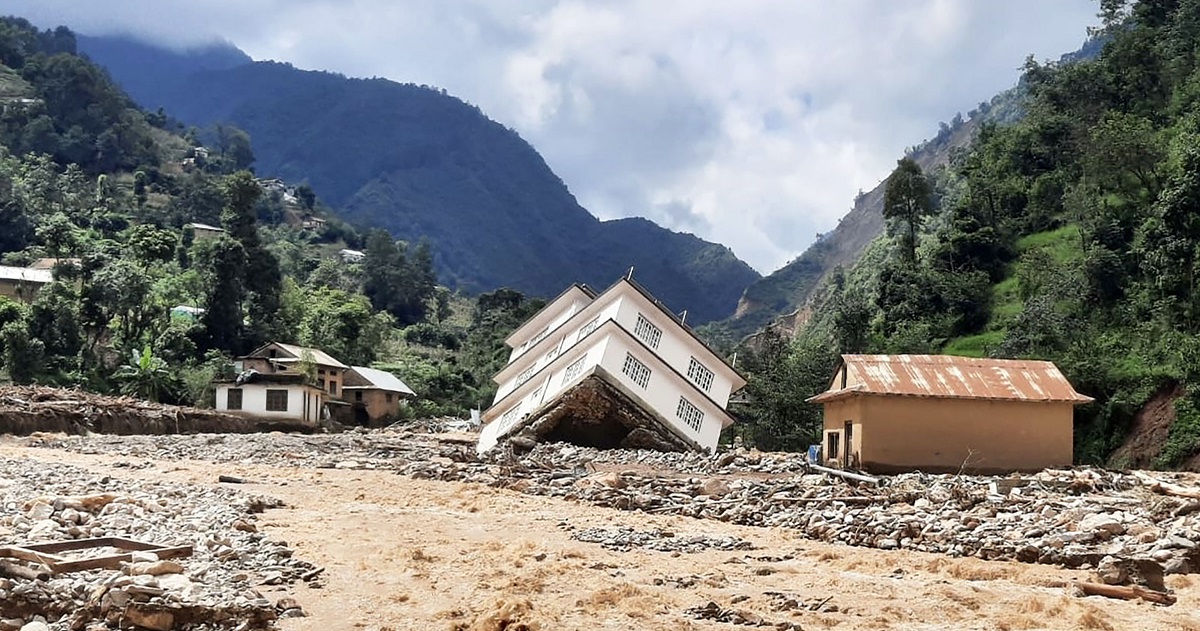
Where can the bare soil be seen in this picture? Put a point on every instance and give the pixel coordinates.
(418, 554)
(1149, 433)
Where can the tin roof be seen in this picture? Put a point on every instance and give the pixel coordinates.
(26, 274)
(945, 376)
(319, 357)
(380, 379)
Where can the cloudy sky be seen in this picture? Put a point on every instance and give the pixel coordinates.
(752, 123)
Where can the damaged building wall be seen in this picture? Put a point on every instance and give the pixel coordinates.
(627, 364)
(677, 350)
(598, 413)
(663, 389)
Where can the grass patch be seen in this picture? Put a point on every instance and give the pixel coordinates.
(1062, 244)
(974, 345)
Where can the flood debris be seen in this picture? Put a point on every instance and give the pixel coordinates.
(624, 539)
(1073, 518)
(48, 555)
(136, 553)
(712, 611)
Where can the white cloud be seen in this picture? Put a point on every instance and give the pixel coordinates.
(749, 123)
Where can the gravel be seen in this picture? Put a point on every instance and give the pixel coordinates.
(216, 587)
(1082, 518)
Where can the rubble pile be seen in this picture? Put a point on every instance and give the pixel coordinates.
(625, 539)
(217, 586)
(1125, 522)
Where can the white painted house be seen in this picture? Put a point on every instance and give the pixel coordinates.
(273, 396)
(628, 339)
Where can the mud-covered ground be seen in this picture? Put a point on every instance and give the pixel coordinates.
(404, 553)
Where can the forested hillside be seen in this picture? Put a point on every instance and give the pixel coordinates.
(144, 303)
(425, 165)
(1071, 235)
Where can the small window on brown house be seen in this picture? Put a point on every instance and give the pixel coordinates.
(277, 400)
(233, 400)
(333, 388)
(834, 440)
(387, 396)
(358, 395)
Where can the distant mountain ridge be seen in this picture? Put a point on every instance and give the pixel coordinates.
(424, 164)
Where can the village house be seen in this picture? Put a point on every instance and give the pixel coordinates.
(351, 256)
(279, 396)
(23, 283)
(937, 413)
(615, 369)
(204, 231)
(313, 223)
(374, 395)
(276, 357)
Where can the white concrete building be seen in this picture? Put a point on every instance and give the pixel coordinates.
(277, 396)
(630, 341)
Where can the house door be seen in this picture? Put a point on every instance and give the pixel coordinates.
(832, 451)
(848, 432)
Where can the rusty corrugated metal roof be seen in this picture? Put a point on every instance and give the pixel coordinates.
(946, 376)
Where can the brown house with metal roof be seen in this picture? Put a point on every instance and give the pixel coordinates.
(888, 413)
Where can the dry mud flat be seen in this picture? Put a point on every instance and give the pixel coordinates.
(405, 553)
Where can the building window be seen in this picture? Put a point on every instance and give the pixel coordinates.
(320, 371)
(333, 388)
(648, 333)
(588, 328)
(321, 383)
(700, 375)
(553, 352)
(691, 415)
(537, 338)
(535, 398)
(233, 400)
(573, 370)
(636, 371)
(387, 396)
(526, 376)
(277, 400)
(358, 395)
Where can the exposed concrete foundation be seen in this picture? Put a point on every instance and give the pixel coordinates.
(597, 413)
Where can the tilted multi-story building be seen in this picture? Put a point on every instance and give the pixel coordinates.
(615, 369)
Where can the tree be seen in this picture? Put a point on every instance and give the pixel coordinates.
(234, 147)
(147, 376)
(23, 353)
(782, 374)
(908, 198)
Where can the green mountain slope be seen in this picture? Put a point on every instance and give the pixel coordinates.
(425, 165)
(1069, 235)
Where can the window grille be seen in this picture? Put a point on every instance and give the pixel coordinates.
(588, 328)
(233, 400)
(648, 333)
(636, 371)
(700, 375)
(573, 371)
(526, 375)
(277, 400)
(691, 415)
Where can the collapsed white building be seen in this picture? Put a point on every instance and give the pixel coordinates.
(614, 369)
